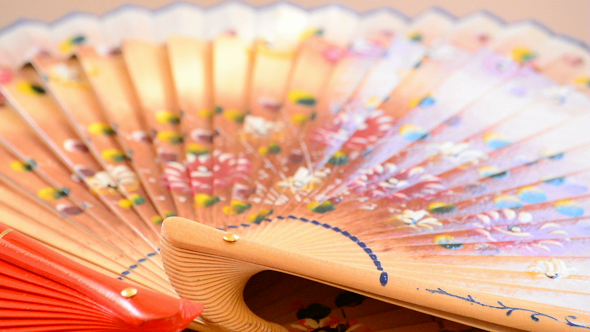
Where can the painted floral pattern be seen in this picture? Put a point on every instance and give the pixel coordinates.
(177, 177)
(552, 268)
(368, 130)
(328, 324)
(303, 180)
(269, 104)
(217, 171)
(125, 177)
(64, 74)
(376, 125)
(318, 317)
(102, 182)
(259, 127)
(416, 220)
(460, 153)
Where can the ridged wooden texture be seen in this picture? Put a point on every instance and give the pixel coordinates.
(218, 283)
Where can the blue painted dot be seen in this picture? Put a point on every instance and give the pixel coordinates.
(384, 278)
(78, 39)
(428, 101)
(232, 226)
(415, 136)
(142, 260)
(315, 222)
(326, 226)
(556, 181)
(132, 267)
(533, 197)
(557, 156)
(571, 211)
(497, 144)
(125, 273)
(151, 254)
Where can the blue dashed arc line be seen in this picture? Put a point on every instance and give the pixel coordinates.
(383, 278)
(135, 266)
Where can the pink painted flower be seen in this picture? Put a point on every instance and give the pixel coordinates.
(177, 177)
(333, 53)
(201, 174)
(269, 104)
(218, 171)
(368, 47)
(573, 60)
(5, 75)
(376, 125)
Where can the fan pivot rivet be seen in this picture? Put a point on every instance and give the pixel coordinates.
(129, 292)
(230, 237)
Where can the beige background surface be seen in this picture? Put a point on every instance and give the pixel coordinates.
(570, 17)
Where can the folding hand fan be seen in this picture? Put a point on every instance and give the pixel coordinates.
(390, 169)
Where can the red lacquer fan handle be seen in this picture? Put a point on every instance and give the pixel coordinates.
(38, 272)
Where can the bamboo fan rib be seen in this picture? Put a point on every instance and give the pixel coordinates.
(392, 170)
